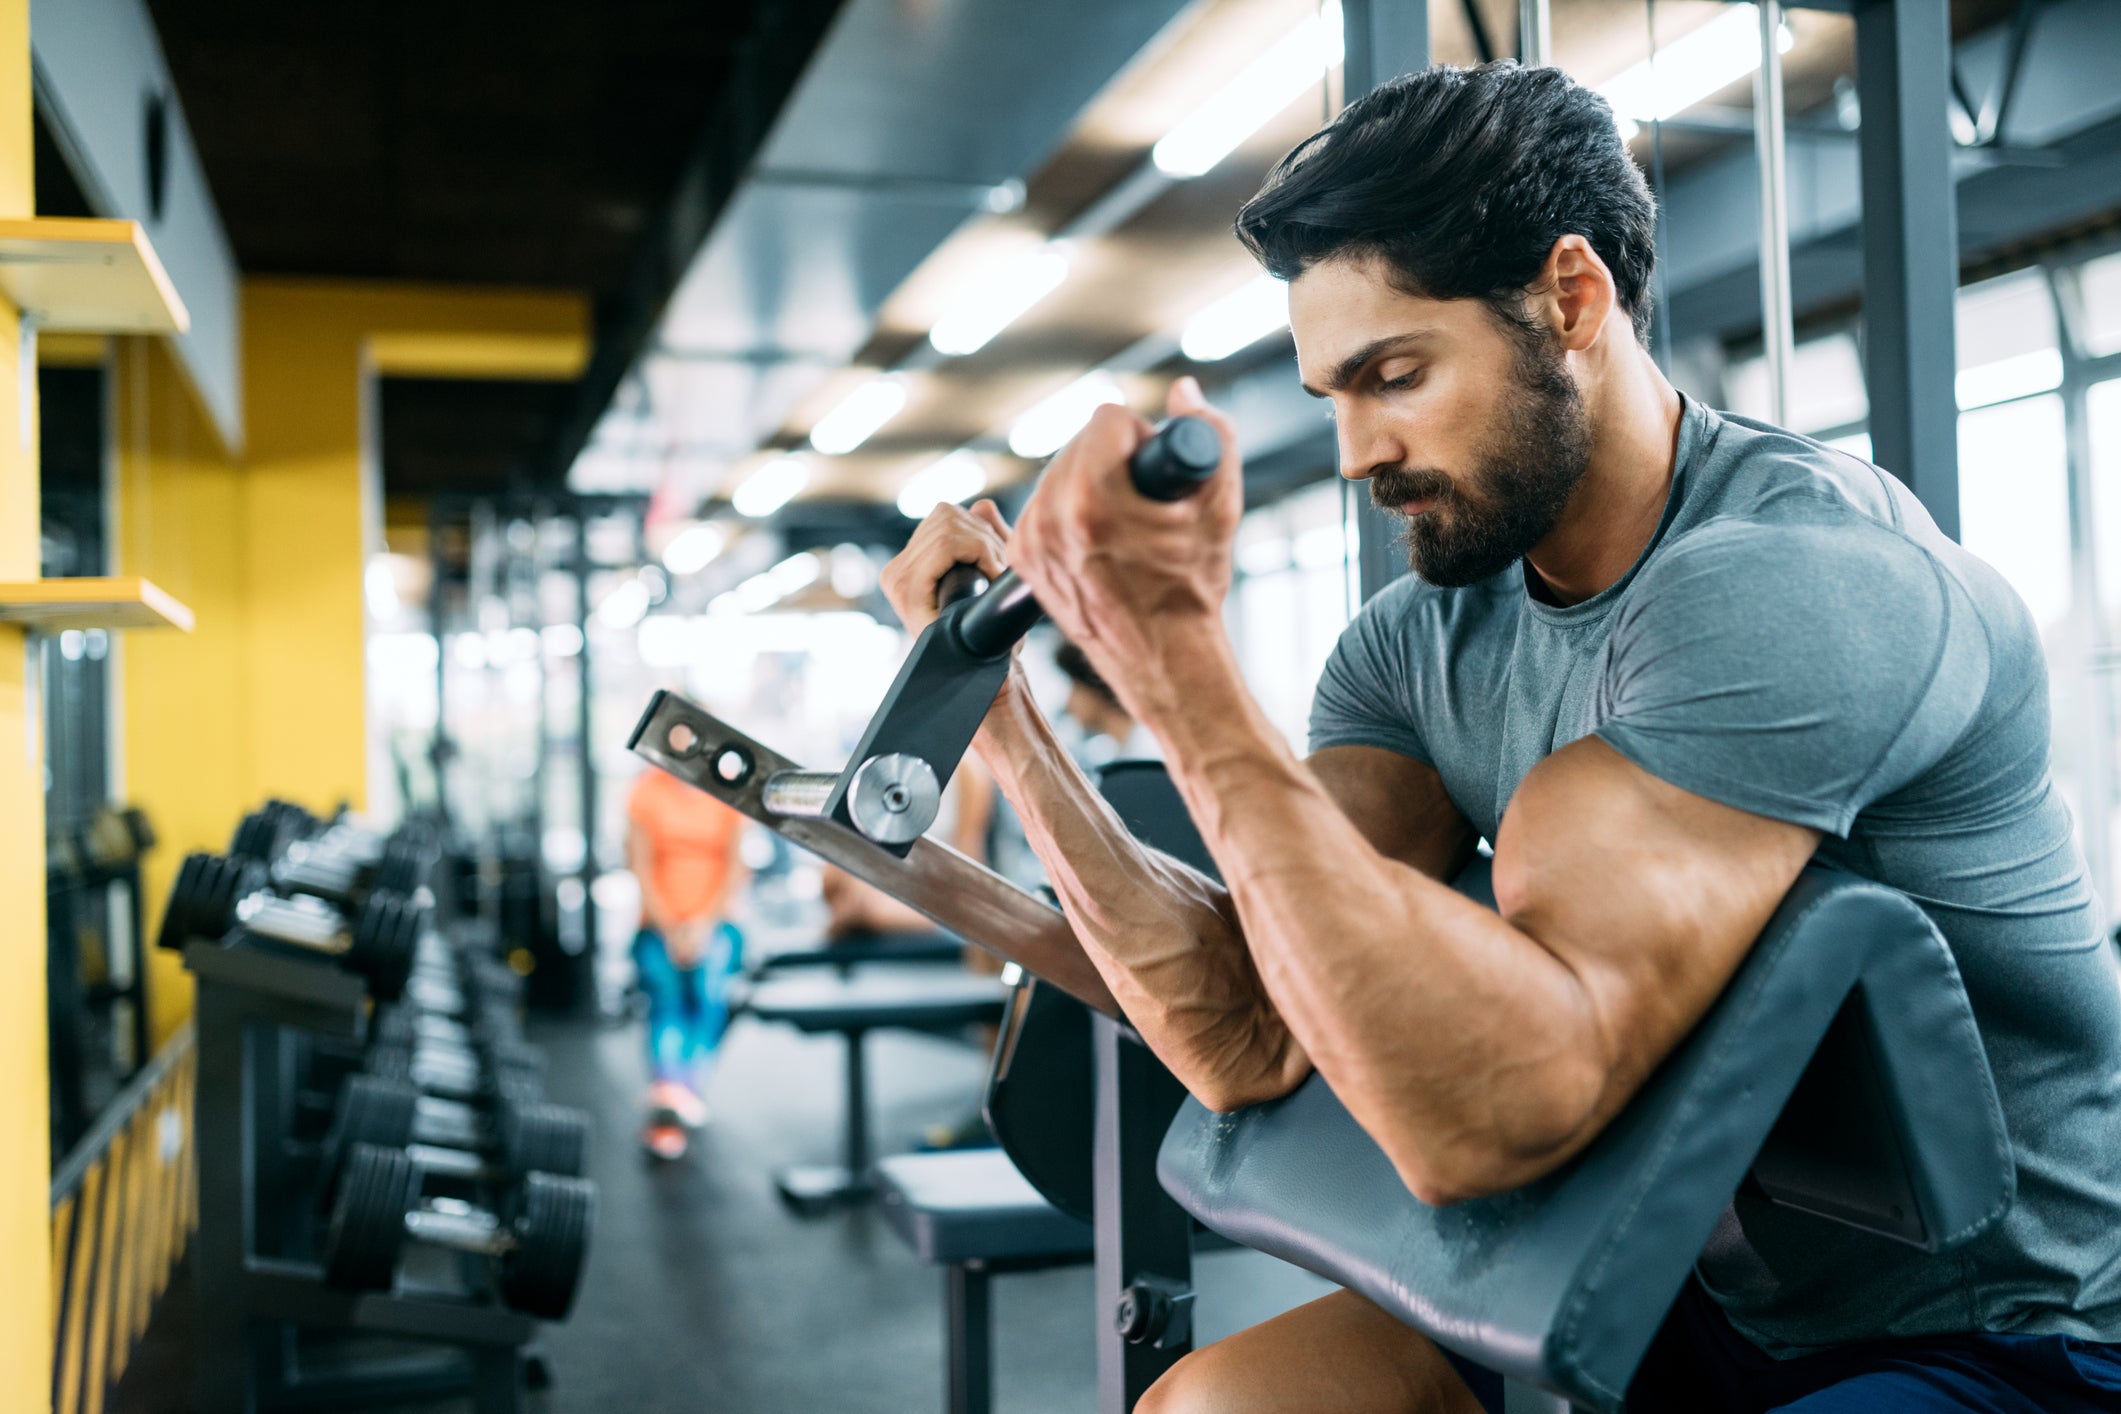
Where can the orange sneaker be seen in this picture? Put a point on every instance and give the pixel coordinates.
(679, 1101)
(664, 1141)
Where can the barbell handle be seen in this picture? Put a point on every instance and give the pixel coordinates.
(1176, 461)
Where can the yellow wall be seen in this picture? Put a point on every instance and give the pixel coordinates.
(183, 707)
(25, 1160)
(268, 696)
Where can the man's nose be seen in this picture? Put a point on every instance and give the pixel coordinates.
(1364, 447)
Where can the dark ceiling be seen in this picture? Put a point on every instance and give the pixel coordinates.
(528, 143)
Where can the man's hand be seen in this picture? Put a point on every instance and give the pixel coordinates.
(948, 537)
(1119, 573)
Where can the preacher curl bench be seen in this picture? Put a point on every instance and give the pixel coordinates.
(1840, 1075)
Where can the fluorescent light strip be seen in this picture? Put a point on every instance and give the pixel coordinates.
(771, 487)
(694, 548)
(998, 297)
(1043, 430)
(859, 415)
(1248, 102)
(955, 478)
(1690, 69)
(1238, 320)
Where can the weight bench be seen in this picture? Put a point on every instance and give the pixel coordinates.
(853, 1006)
(860, 949)
(1840, 1072)
(970, 1212)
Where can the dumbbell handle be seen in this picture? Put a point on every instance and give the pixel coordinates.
(459, 1226)
(1175, 462)
(288, 921)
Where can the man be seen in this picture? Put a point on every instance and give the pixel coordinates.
(1661, 658)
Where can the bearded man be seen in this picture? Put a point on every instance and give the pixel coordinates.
(1662, 658)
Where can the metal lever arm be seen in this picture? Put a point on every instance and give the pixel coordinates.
(913, 744)
(973, 902)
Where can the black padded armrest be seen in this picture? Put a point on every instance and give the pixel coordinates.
(1563, 1283)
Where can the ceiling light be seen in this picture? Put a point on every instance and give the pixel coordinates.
(1240, 318)
(859, 414)
(1248, 102)
(763, 591)
(1041, 431)
(694, 548)
(954, 478)
(998, 297)
(1708, 60)
(625, 606)
(770, 487)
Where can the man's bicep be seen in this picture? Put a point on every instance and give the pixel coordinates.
(1400, 806)
(1650, 895)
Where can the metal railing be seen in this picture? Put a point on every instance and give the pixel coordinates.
(124, 1203)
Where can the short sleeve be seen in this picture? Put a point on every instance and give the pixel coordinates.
(1366, 694)
(1797, 671)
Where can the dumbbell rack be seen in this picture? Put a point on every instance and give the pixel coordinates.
(255, 1013)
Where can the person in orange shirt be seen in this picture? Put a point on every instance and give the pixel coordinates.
(682, 846)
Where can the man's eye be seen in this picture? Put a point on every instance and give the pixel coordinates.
(1403, 382)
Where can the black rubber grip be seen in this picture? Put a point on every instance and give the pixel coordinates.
(959, 582)
(1176, 461)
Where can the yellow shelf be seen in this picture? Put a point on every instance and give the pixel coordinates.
(88, 276)
(91, 603)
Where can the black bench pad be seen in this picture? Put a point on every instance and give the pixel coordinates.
(1563, 1283)
(972, 1205)
(864, 949)
(914, 999)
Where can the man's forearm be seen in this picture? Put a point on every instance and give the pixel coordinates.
(1163, 935)
(1415, 1001)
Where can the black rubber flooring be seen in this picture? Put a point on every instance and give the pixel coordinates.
(704, 1294)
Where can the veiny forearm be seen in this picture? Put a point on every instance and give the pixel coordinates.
(1162, 935)
(1456, 1039)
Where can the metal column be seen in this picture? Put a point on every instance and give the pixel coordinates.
(1778, 329)
(1910, 247)
(1144, 1240)
(1535, 33)
(1384, 38)
(585, 742)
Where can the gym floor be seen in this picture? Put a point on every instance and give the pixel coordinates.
(704, 1294)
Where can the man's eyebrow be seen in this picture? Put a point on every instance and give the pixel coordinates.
(1344, 372)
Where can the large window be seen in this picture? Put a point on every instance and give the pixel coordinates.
(1294, 594)
(2039, 393)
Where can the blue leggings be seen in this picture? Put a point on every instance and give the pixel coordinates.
(688, 1007)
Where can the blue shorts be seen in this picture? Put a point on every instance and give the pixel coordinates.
(1700, 1365)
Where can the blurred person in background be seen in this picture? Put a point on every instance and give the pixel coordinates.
(683, 847)
(1095, 729)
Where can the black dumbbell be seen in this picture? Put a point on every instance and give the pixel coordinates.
(534, 1246)
(213, 896)
(449, 1137)
(343, 865)
(514, 1072)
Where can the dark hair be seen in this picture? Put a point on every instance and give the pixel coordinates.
(1071, 660)
(1461, 180)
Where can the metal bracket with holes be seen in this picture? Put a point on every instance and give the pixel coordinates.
(969, 899)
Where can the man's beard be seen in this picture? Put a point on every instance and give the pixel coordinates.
(1528, 467)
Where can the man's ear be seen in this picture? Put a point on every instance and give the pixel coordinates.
(1579, 290)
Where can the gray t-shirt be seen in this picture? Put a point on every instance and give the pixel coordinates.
(1801, 642)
